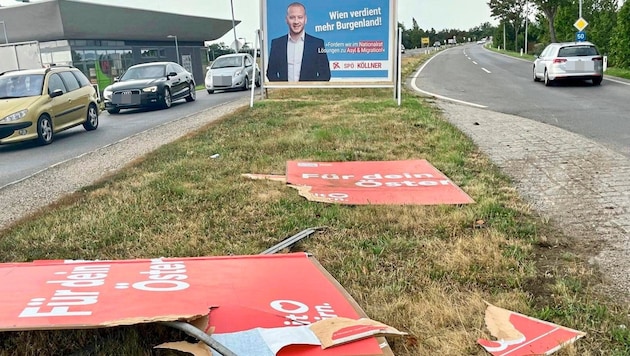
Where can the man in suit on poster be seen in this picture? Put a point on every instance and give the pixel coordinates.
(297, 56)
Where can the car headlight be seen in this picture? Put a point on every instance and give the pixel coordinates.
(238, 73)
(15, 116)
(107, 93)
(152, 89)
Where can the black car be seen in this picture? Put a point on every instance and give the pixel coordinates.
(155, 84)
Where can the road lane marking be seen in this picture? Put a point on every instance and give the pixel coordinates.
(614, 80)
(485, 70)
(475, 62)
(415, 87)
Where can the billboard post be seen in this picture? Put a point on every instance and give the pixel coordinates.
(399, 67)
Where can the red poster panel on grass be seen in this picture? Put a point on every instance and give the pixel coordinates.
(374, 182)
(521, 335)
(244, 292)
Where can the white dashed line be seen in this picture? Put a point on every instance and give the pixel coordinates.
(415, 87)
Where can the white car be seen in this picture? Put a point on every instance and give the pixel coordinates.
(232, 71)
(569, 60)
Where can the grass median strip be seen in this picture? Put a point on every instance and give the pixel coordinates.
(426, 270)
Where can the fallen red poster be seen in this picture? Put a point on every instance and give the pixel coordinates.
(244, 292)
(374, 182)
(521, 335)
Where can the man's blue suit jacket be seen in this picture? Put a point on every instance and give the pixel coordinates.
(315, 65)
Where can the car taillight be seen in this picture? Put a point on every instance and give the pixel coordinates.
(597, 58)
(559, 60)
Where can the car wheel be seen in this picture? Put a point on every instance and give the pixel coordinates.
(246, 83)
(548, 82)
(210, 91)
(167, 101)
(257, 81)
(113, 110)
(44, 130)
(597, 81)
(91, 122)
(192, 92)
(536, 79)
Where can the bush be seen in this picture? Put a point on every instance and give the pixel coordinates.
(620, 44)
(538, 48)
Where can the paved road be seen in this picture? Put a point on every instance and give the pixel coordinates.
(21, 160)
(474, 74)
(580, 184)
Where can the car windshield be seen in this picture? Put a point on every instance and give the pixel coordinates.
(21, 85)
(226, 62)
(577, 51)
(145, 72)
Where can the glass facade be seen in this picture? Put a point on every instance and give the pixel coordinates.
(103, 60)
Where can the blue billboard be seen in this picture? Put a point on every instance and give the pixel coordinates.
(329, 43)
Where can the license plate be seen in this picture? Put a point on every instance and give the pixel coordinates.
(579, 66)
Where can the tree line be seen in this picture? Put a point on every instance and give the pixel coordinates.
(543, 22)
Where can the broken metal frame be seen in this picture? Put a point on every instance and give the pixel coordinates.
(290, 241)
(201, 336)
(207, 339)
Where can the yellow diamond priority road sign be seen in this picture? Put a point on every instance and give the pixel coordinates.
(580, 24)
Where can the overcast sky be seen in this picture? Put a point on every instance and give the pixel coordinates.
(438, 14)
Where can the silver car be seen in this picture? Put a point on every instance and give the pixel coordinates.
(569, 60)
(232, 71)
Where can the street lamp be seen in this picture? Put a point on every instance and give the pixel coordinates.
(4, 26)
(234, 26)
(176, 46)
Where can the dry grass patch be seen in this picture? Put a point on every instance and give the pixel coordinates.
(423, 269)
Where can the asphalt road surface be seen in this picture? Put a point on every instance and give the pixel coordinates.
(482, 78)
(19, 161)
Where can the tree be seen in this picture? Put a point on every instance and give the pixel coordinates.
(620, 43)
(482, 31)
(601, 16)
(512, 11)
(215, 50)
(550, 8)
(602, 21)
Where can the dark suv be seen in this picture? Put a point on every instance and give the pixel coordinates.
(37, 103)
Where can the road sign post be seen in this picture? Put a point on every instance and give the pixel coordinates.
(580, 36)
(580, 24)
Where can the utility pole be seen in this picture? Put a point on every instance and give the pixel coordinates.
(526, 16)
(504, 35)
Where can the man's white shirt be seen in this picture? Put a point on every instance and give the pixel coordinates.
(295, 50)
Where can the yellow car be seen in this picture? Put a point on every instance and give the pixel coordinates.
(37, 103)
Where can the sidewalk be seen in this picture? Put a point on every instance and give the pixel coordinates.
(581, 186)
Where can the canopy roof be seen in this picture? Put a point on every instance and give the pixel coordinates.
(73, 19)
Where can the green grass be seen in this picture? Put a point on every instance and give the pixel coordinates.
(426, 270)
(526, 56)
(618, 72)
